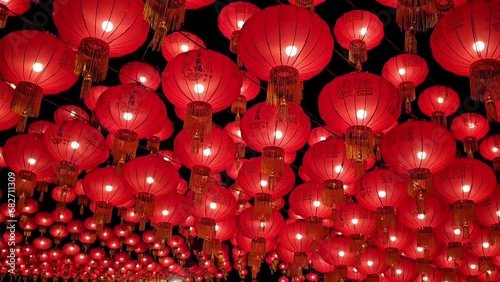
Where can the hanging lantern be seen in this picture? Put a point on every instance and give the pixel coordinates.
(469, 128)
(309, 4)
(372, 264)
(12, 8)
(399, 239)
(439, 103)
(294, 239)
(415, 16)
(167, 214)
(455, 237)
(180, 42)
(490, 150)
(336, 252)
(405, 271)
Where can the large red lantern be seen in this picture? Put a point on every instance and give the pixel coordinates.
(358, 31)
(431, 147)
(372, 264)
(368, 105)
(180, 42)
(404, 272)
(469, 128)
(232, 18)
(38, 64)
(469, 48)
(131, 112)
(76, 146)
(455, 237)
(167, 214)
(294, 239)
(406, 72)
(438, 102)
(101, 31)
(140, 73)
(285, 45)
(490, 150)
(480, 247)
(336, 251)
(465, 183)
(489, 215)
(203, 82)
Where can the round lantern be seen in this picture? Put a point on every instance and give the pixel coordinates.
(319, 134)
(38, 64)
(404, 272)
(294, 239)
(180, 42)
(468, 48)
(399, 238)
(140, 73)
(101, 31)
(285, 45)
(8, 118)
(455, 237)
(480, 247)
(131, 112)
(232, 18)
(167, 214)
(469, 128)
(70, 113)
(358, 31)
(465, 183)
(369, 104)
(372, 264)
(336, 251)
(490, 150)
(406, 72)
(432, 149)
(306, 3)
(203, 82)
(438, 102)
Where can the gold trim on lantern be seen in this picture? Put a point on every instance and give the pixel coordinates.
(439, 118)
(309, 4)
(482, 73)
(124, 147)
(25, 182)
(206, 228)
(263, 207)
(102, 215)
(417, 14)
(153, 144)
(163, 231)
(284, 85)
(419, 181)
(470, 146)
(258, 247)
(425, 239)
(26, 102)
(464, 215)
(198, 123)
(455, 251)
(357, 53)
(407, 91)
(359, 146)
(386, 221)
(201, 179)
(67, 174)
(92, 58)
(272, 164)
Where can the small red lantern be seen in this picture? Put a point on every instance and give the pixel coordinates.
(372, 264)
(336, 252)
(490, 150)
(294, 239)
(12, 8)
(70, 113)
(167, 214)
(140, 73)
(180, 42)
(439, 102)
(469, 128)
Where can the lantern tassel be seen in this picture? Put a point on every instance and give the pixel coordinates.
(425, 239)
(333, 193)
(419, 15)
(482, 73)
(258, 246)
(163, 231)
(92, 58)
(153, 144)
(67, 174)
(411, 42)
(263, 206)
(340, 273)
(239, 107)
(235, 38)
(359, 144)
(485, 264)
(491, 110)
(86, 86)
(372, 278)
(470, 146)
(300, 261)
(386, 221)
(439, 118)
(392, 258)
(449, 274)
(207, 228)
(198, 123)
(357, 52)
(4, 15)
(211, 247)
(407, 91)
(314, 227)
(309, 4)
(201, 179)
(25, 183)
(102, 215)
(419, 181)
(26, 102)
(273, 162)
(124, 147)
(496, 165)
(423, 265)
(284, 85)
(357, 245)
(464, 215)
(455, 251)
(159, 35)
(144, 204)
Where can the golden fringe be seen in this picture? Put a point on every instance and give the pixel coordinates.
(486, 264)
(273, 162)
(496, 165)
(86, 86)
(26, 102)
(357, 51)
(386, 221)
(263, 207)
(482, 72)
(425, 239)
(206, 228)
(67, 174)
(419, 180)
(211, 247)
(102, 215)
(372, 278)
(357, 246)
(25, 182)
(300, 261)
(235, 38)
(407, 91)
(491, 110)
(455, 251)
(198, 122)
(449, 274)
(92, 58)
(359, 143)
(239, 106)
(423, 265)
(339, 274)
(284, 85)
(258, 247)
(470, 146)
(169, 13)
(305, 4)
(439, 118)
(144, 204)
(4, 15)
(124, 146)
(159, 35)
(495, 234)
(314, 227)
(411, 42)
(417, 14)
(201, 179)
(153, 144)
(464, 215)
(333, 193)
(163, 231)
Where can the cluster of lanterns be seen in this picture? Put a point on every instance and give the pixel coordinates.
(377, 200)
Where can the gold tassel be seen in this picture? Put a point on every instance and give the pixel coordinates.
(386, 221)
(273, 162)
(235, 38)
(449, 275)
(26, 102)
(407, 91)
(165, 14)
(153, 144)
(263, 206)
(470, 146)
(25, 182)
(206, 228)
(211, 247)
(124, 147)
(359, 143)
(419, 181)
(284, 84)
(377, 139)
(238, 108)
(423, 265)
(333, 193)
(258, 247)
(495, 234)
(102, 215)
(86, 86)
(198, 122)
(67, 174)
(201, 179)
(482, 72)
(455, 251)
(411, 42)
(309, 4)
(392, 258)
(444, 6)
(357, 51)
(485, 264)
(163, 231)
(92, 58)
(439, 118)
(144, 204)
(491, 110)
(159, 35)
(4, 15)
(372, 278)
(417, 14)
(300, 261)
(425, 239)
(314, 227)
(357, 245)
(464, 215)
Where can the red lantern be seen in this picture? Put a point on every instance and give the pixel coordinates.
(38, 64)
(336, 252)
(372, 264)
(140, 73)
(101, 31)
(468, 49)
(167, 214)
(470, 269)
(8, 118)
(406, 72)
(130, 112)
(180, 42)
(399, 238)
(294, 239)
(148, 177)
(165, 132)
(480, 247)
(431, 147)
(447, 266)
(319, 134)
(224, 230)
(370, 104)
(455, 237)
(297, 47)
(70, 113)
(469, 128)
(63, 196)
(404, 272)
(464, 183)
(75, 146)
(489, 149)
(358, 31)
(232, 18)
(12, 8)
(306, 3)
(438, 102)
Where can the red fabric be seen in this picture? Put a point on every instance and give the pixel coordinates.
(405, 68)
(232, 17)
(250, 86)
(39, 127)
(480, 245)
(61, 194)
(441, 260)
(103, 185)
(21, 50)
(218, 204)
(17, 7)
(234, 131)
(436, 214)
(130, 107)
(202, 75)
(353, 219)
(322, 266)
(335, 250)
(418, 144)
(360, 25)
(306, 200)
(372, 262)
(180, 42)
(76, 20)
(244, 243)
(399, 238)
(261, 127)
(487, 213)
(294, 239)
(251, 228)
(217, 150)
(168, 209)
(166, 130)
(469, 125)
(7, 117)
(455, 38)
(70, 113)
(139, 72)
(406, 271)
(266, 35)
(490, 147)
(196, 4)
(342, 101)
(95, 92)
(438, 99)
(448, 232)
(470, 267)
(28, 152)
(150, 174)
(225, 229)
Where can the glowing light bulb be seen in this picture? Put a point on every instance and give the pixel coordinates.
(486, 245)
(142, 79)
(37, 67)
(494, 149)
(472, 125)
(421, 155)
(354, 270)
(291, 51)
(108, 188)
(382, 194)
(166, 159)
(72, 113)
(199, 88)
(440, 100)
(338, 169)
(369, 263)
(216, 227)
(262, 224)
(341, 253)
(322, 138)
(238, 133)
(498, 213)
(399, 271)
(164, 212)
(128, 116)
(361, 114)
(425, 279)
(316, 203)
(393, 238)
(421, 216)
(420, 249)
(472, 266)
(213, 205)
(402, 71)
(478, 46)
(278, 134)
(363, 31)
(298, 236)
(354, 221)
(107, 26)
(74, 145)
(31, 161)
(240, 23)
(13, 86)
(184, 48)
(207, 152)
(466, 188)
(457, 231)
(263, 183)
(150, 180)
(345, 187)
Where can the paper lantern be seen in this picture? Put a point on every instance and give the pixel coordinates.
(180, 42)
(140, 73)
(489, 149)
(70, 113)
(167, 214)
(480, 247)
(404, 272)
(372, 264)
(294, 239)
(336, 252)
(469, 128)
(439, 103)
(399, 238)
(163, 134)
(455, 237)
(12, 8)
